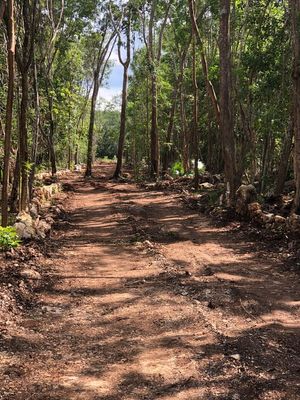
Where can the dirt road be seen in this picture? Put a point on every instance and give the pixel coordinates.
(151, 301)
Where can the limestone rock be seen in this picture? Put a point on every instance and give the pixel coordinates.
(30, 274)
(255, 211)
(268, 218)
(24, 226)
(36, 202)
(206, 185)
(33, 210)
(245, 195)
(294, 222)
(23, 231)
(279, 220)
(42, 228)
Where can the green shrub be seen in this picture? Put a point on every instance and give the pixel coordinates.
(177, 169)
(8, 238)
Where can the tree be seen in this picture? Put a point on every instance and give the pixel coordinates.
(105, 46)
(125, 63)
(226, 111)
(24, 58)
(209, 86)
(154, 52)
(9, 105)
(295, 12)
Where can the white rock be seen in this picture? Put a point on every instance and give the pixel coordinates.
(42, 228)
(24, 231)
(235, 357)
(206, 185)
(30, 274)
(33, 209)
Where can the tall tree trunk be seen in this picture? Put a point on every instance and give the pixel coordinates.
(226, 123)
(267, 160)
(122, 125)
(89, 161)
(209, 86)
(13, 200)
(167, 150)
(195, 119)
(9, 110)
(24, 142)
(50, 137)
(284, 161)
(184, 132)
(102, 61)
(154, 51)
(25, 59)
(154, 143)
(125, 64)
(36, 133)
(295, 12)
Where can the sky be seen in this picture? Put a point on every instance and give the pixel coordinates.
(113, 86)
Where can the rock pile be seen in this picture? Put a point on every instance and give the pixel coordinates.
(31, 225)
(30, 228)
(273, 221)
(245, 195)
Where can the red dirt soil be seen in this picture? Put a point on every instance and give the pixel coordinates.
(150, 301)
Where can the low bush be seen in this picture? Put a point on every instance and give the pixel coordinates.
(8, 238)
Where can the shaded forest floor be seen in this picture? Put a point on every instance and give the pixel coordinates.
(146, 299)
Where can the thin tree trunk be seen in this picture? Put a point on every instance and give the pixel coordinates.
(24, 143)
(9, 111)
(89, 161)
(226, 124)
(267, 158)
(154, 52)
(13, 200)
(284, 161)
(177, 89)
(24, 61)
(50, 137)
(295, 12)
(154, 143)
(125, 64)
(166, 155)
(36, 129)
(103, 57)
(184, 132)
(122, 125)
(209, 86)
(195, 119)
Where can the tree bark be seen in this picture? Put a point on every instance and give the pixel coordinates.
(89, 161)
(36, 132)
(125, 64)
(154, 57)
(25, 59)
(122, 135)
(166, 154)
(9, 111)
(284, 161)
(295, 12)
(50, 137)
(226, 123)
(209, 86)
(13, 200)
(195, 119)
(99, 71)
(24, 142)
(154, 142)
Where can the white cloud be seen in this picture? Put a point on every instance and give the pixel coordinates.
(106, 95)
